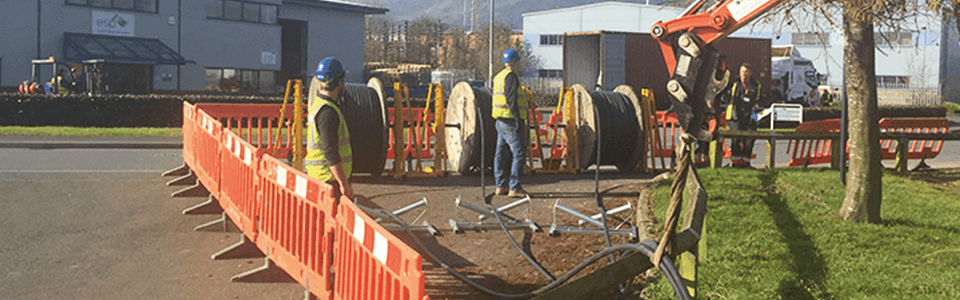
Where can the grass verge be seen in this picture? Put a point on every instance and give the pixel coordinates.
(775, 234)
(87, 131)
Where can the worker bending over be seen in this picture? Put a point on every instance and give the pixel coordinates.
(329, 155)
(510, 112)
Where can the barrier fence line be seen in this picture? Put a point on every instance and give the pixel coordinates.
(238, 183)
(255, 123)
(917, 149)
(372, 263)
(187, 131)
(296, 224)
(809, 152)
(206, 152)
(417, 131)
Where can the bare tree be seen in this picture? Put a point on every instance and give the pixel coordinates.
(949, 9)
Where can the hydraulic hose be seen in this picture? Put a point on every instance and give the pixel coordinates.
(503, 226)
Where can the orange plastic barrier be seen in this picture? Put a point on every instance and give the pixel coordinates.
(296, 225)
(188, 132)
(418, 132)
(372, 263)
(256, 123)
(917, 149)
(207, 150)
(669, 128)
(808, 152)
(238, 183)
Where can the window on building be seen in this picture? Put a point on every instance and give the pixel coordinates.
(232, 10)
(810, 38)
(551, 73)
(123, 4)
(245, 11)
(893, 82)
(893, 38)
(251, 12)
(241, 81)
(215, 9)
(149, 6)
(551, 39)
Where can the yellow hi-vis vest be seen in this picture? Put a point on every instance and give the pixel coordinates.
(500, 109)
(316, 161)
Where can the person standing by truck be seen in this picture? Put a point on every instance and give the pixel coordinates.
(510, 112)
(744, 98)
(329, 154)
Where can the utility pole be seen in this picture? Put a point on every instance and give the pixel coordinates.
(490, 71)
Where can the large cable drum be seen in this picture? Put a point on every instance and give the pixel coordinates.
(621, 132)
(365, 111)
(463, 128)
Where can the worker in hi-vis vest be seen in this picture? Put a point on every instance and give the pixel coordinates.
(510, 112)
(329, 156)
(744, 99)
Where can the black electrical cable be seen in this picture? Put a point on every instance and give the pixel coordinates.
(494, 211)
(369, 134)
(619, 130)
(646, 248)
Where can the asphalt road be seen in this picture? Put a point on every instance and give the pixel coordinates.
(100, 224)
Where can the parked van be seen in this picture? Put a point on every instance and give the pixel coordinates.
(794, 79)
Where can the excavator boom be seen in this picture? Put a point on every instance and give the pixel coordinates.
(694, 65)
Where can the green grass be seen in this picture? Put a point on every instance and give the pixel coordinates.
(775, 234)
(87, 131)
(952, 108)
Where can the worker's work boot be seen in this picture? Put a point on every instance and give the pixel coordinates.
(517, 194)
(500, 191)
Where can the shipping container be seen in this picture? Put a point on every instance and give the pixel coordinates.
(606, 59)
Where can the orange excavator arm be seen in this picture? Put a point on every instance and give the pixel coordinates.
(694, 65)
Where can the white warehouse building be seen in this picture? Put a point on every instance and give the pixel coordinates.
(927, 57)
(219, 46)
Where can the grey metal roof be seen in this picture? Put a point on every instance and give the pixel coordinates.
(82, 46)
(339, 5)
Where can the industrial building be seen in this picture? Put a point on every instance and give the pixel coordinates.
(221, 46)
(923, 57)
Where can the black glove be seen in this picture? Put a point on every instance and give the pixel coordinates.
(520, 124)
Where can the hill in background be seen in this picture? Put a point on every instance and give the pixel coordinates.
(452, 11)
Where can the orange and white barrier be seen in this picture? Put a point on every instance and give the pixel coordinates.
(296, 224)
(372, 263)
(290, 216)
(207, 151)
(238, 185)
(917, 149)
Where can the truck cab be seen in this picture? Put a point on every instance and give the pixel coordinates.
(795, 80)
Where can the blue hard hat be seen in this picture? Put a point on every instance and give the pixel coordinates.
(510, 56)
(329, 68)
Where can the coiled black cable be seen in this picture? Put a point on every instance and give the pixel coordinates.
(618, 131)
(369, 132)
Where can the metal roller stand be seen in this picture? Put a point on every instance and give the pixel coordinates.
(394, 215)
(460, 227)
(556, 230)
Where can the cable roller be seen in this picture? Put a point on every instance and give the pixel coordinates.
(365, 111)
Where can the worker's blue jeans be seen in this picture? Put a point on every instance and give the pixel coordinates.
(511, 154)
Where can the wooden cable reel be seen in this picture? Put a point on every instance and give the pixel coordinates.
(462, 132)
(622, 142)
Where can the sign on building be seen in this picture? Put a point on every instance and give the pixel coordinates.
(111, 23)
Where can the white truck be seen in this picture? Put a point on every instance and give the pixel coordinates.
(794, 79)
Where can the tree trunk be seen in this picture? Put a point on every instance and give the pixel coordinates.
(863, 198)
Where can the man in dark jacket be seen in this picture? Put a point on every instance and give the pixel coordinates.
(744, 98)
